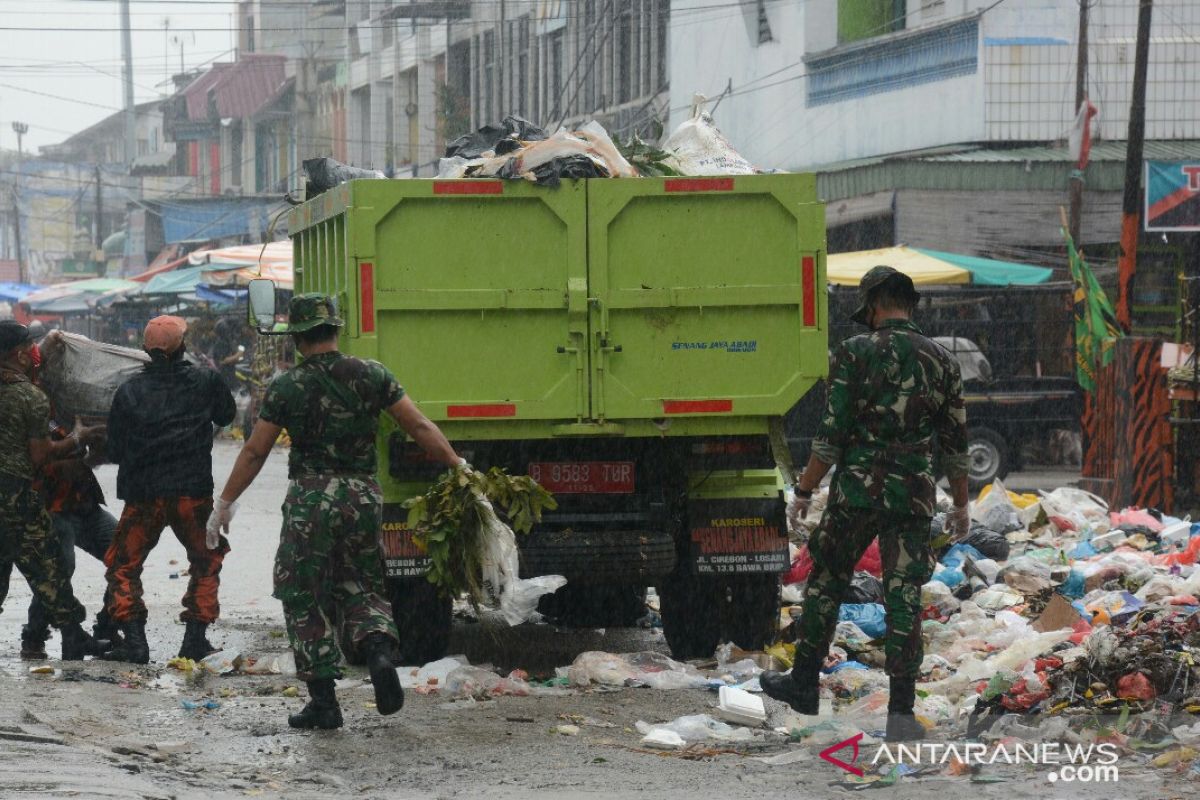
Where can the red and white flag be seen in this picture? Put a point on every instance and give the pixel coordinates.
(1081, 134)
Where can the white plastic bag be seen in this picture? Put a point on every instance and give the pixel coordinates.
(696, 147)
(500, 564)
(995, 511)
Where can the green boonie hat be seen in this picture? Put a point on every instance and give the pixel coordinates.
(307, 311)
(875, 277)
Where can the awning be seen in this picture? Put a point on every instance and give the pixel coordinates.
(274, 253)
(12, 292)
(280, 273)
(931, 267)
(73, 298)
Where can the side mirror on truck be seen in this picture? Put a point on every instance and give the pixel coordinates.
(262, 305)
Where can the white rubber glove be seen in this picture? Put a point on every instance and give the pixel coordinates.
(958, 523)
(218, 521)
(798, 509)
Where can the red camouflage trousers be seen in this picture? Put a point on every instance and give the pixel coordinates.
(138, 532)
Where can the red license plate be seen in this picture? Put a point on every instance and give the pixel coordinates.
(584, 477)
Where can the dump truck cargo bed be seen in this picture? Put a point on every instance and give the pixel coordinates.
(647, 307)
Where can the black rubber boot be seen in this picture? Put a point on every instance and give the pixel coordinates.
(135, 649)
(76, 643)
(322, 710)
(389, 696)
(106, 628)
(902, 724)
(195, 644)
(800, 690)
(33, 643)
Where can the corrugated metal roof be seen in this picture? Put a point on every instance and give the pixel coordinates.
(977, 168)
(239, 89)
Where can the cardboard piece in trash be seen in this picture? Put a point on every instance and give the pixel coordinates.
(1058, 614)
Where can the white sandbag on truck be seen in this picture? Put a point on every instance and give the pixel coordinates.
(82, 376)
(697, 148)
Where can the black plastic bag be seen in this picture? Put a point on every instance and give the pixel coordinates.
(993, 545)
(499, 139)
(322, 174)
(553, 172)
(864, 588)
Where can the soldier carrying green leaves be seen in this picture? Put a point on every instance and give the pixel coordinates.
(895, 402)
(328, 559)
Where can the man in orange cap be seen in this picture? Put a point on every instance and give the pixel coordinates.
(160, 434)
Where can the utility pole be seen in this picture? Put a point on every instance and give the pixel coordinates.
(1132, 206)
(19, 128)
(501, 103)
(1081, 67)
(130, 114)
(99, 209)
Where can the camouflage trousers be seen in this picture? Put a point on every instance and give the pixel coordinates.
(141, 525)
(329, 569)
(836, 546)
(28, 543)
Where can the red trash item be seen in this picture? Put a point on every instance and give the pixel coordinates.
(1189, 556)
(1135, 686)
(1063, 524)
(1082, 629)
(802, 564)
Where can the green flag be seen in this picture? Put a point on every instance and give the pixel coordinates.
(1096, 327)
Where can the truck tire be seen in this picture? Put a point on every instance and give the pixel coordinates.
(691, 613)
(750, 615)
(988, 457)
(422, 615)
(591, 606)
(608, 557)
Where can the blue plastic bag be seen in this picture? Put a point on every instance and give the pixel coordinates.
(1073, 587)
(1083, 550)
(955, 556)
(951, 576)
(869, 617)
(846, 665)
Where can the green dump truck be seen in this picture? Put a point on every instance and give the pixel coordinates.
(627, 343)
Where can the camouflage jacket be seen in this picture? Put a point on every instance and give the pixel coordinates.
(330, 405)
(895, 401)
(24, 415)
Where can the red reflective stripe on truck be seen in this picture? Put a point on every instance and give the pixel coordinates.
(468, 187)
(808, 279)
(697, 406)
(366, 295)
(699, 185)
(482, 410)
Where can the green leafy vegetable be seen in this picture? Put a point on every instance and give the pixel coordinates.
(451, 523)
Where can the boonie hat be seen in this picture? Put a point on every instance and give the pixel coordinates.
(13, 334)
(307, 311)
(876, 277)
(164, 333)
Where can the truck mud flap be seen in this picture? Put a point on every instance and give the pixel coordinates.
(402, 557)
(737, 524)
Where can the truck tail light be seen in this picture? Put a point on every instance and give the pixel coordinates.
(808, 282)
(482, 410)
(366, 292)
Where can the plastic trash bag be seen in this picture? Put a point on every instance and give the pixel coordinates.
(1027, 575)
(864, 588)
(506, 137)
(869, 617)
(655, 670)
(517, 599)
(698, 728)
(322, 174)
(696, 147)
(938, 595)
(82, 376)
(996, 511)
(479, 683)
(988, 542)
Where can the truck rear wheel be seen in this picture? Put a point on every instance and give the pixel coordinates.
(698, 613)
(988, 457)
(422, 616)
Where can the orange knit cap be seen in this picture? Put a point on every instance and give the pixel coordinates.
(164, 333)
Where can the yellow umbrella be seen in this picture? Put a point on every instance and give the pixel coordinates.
(847, 269)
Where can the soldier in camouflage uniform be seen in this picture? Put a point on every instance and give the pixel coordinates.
(26, 538)
(895, 400)
(329, 559)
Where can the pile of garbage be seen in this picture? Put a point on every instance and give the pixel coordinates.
(517, 149)
(1055, 609)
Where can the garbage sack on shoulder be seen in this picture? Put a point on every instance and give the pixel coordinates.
(322, 174)
(81, 376)
(696, 147)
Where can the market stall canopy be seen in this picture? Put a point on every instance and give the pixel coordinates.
(12, 292)
(247, 255)
(240, 278)
(74, 297)
(932, 267)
